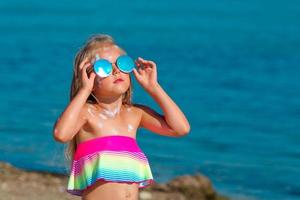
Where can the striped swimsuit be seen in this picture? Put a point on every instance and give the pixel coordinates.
(113, 158)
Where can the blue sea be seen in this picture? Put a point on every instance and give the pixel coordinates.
(231, 66)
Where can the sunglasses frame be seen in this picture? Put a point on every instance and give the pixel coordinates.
(111, 64)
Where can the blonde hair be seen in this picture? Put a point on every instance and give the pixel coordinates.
(87, 50)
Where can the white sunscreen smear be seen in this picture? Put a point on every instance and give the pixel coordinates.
(111, 113)
(129, 127)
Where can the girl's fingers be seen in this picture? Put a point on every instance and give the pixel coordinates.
(93, 75)
(137, 63)
(140, 70)
(83, 63)
(137, 74)
(146, 63)
(151, 62)
(86, 66)
(142, 63)
(143, 60)
(84, 70)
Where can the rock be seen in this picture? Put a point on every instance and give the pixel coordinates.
(144, 195)
(168, 196)
(189, 187)
(193, 187)
(160, 187)
(4, 186)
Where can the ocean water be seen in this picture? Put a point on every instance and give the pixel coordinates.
(231, 66)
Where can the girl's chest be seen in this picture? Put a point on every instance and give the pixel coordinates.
(102, 124)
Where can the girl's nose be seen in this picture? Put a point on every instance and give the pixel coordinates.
(115, 69)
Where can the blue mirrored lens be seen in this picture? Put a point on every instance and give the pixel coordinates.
(125, 63)
(102, 68)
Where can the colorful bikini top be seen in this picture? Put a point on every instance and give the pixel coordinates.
(113, 158)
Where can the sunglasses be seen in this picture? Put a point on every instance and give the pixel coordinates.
(104, 68)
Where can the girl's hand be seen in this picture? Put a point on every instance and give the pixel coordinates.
(87, 82)
(146, 73)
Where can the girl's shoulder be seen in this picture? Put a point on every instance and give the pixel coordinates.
(144, 110)
(135, 109)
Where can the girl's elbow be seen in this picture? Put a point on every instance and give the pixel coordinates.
(185, 131)
(188, 129)
(59, 136)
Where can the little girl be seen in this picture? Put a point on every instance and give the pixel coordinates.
(100, 122)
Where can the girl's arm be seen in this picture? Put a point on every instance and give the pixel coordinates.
(72, 118)
(173, 122)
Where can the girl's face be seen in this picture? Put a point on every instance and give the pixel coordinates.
(105, 87)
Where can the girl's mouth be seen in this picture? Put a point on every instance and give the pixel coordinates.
(118, 80)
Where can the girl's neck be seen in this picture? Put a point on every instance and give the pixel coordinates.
(110, 106)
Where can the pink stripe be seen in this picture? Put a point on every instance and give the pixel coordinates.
(111, 142)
